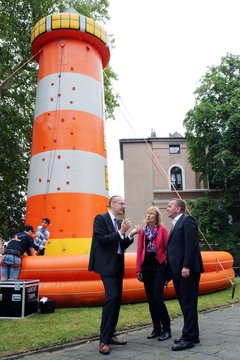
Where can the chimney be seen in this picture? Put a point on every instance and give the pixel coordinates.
(153, 133)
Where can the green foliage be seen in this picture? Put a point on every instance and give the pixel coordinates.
(213, 132)
(213, 126)
(111, 97)
(215, 224)
(17, 96)
(95, 9)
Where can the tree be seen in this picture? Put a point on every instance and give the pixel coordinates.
(215, 224)
(213, 132)
(17, 96)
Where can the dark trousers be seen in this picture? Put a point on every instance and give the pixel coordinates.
(39, 252)
(154, 280)
(187, 294)
(111, 308)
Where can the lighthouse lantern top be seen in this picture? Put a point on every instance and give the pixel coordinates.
(70, 24)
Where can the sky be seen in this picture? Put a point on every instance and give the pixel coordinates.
(162, 50)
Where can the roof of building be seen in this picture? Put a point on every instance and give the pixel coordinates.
(173, 138)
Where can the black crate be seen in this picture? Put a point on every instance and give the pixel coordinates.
(18, 298)
(47, 307)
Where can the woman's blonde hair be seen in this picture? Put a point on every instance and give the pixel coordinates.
(156, 211)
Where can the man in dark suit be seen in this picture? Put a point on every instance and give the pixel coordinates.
(107, 258)
(184, 267)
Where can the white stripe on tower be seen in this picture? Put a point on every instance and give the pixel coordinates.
(74, 172)
(78, 92)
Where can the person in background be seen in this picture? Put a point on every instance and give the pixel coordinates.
(12, 257)
(109, 243)
(151, 269)
(2, 248)
(184, 267)
(42, 236)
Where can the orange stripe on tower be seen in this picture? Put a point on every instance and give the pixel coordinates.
(65, 58)
(71, 133)
(72, 214)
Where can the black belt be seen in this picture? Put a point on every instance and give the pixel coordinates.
(12, 252)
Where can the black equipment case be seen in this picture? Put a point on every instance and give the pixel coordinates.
(18, 298)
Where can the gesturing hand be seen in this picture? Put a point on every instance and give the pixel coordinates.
(125, 226)
(136, 230)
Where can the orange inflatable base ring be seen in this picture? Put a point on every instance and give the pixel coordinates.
(66, 279)
(90, 293)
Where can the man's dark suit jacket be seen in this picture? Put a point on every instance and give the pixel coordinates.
(105, 241)
(183, 247)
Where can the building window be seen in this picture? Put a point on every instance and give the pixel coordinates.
(174, 149)
(176, 178)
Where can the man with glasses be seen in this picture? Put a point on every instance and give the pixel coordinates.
(109, 243)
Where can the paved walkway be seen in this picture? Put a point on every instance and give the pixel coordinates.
(219, 335)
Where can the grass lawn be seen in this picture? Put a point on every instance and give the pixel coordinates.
(74, 324)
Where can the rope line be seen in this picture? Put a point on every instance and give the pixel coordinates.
(18, 69)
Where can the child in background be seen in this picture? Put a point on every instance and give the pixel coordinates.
(42, 235)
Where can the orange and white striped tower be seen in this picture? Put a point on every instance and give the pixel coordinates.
(68, 178)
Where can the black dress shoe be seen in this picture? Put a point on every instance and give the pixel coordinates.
(154, 334)
(114, 340)
(165, 335)
(196, 341)
(183, 345)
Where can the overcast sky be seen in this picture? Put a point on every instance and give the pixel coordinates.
(162, 49)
